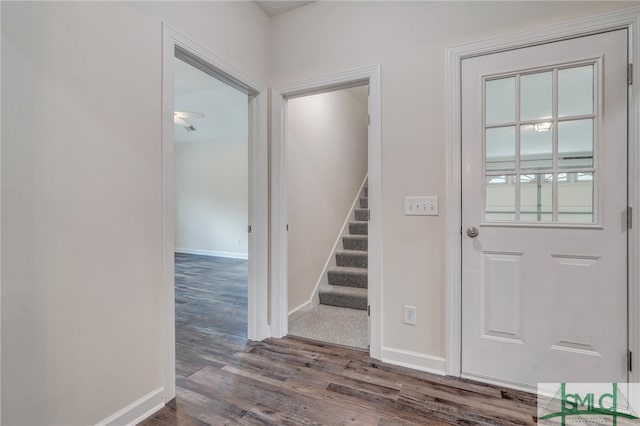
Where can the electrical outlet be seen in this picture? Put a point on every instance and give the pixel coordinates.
(409, 315)
(421, 206)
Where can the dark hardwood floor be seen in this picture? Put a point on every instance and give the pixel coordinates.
(222, 379)
(211, 303)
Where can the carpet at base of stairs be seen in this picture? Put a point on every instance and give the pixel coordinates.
(334, 325)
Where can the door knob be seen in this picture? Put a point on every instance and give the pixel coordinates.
(472, 231)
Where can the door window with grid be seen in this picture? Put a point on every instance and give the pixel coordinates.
(540, 144)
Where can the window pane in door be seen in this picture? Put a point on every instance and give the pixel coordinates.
(500, 148)
(575, 143)
(575, 198)
(500, 198)
(536, 148)
(536, 96)
(575, 91)
(500, 100)
(536, 198)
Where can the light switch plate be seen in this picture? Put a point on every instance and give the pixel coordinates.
(421, 206)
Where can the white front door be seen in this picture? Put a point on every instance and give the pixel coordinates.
(544, 183)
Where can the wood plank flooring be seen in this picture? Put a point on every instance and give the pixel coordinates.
(222, 379)
(211, 300)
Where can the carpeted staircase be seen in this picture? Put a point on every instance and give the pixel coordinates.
(348, 279)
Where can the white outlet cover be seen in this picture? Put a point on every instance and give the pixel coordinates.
(409, 316)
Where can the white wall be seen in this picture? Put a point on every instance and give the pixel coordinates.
(409, 41)
(212, 193)
(327, 162)
(81, 196)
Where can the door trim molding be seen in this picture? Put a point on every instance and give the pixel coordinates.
(258, 328)
(624, 19)
(279, 302)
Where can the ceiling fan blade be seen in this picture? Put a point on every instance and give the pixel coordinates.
(187, 114)
(179, 121)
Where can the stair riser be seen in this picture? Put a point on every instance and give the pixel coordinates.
(353, 302)
(348, 259)
(347, 280)
(355, 243)
(362, 214)
(358, 228)
(364, 203)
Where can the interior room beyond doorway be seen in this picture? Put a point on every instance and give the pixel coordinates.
(211, 130)
(327, 157)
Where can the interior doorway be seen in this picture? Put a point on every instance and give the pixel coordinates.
(256, 220)
(327, 210)
(211, 132)
(280, 96)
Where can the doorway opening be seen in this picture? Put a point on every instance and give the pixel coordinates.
(328, 214)
(245, 208)
(280, 97)
(211, 162)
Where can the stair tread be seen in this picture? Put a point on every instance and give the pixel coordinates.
(346, 297)
(338, 289)
(362, 253)
(349, 270)
(356, 236)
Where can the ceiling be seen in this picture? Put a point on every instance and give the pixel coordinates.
(225, 109)
(273, 8)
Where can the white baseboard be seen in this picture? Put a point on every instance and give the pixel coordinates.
(415, 360)
(306, 306)
(137, 411)
(229, 254)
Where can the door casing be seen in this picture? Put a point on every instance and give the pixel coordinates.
(258, 320)
(626, 19)
(279, 300)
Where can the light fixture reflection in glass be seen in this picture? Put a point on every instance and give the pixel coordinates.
(543, 127)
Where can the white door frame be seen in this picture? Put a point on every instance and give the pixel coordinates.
(258, 328)
(279, 286)
(625, 19)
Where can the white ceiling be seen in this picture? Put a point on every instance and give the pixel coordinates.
(273, 8)
(225, 109)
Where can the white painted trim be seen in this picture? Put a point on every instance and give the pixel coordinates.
(137, 411)
(219, 64)
(370, 75)
(213, 253)
(346, 79)
(629, 19)
(258, 297)
(634, 194)
(0, 229)
(278, 232)
(306, 306)
(258, 198)
(414, 360)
